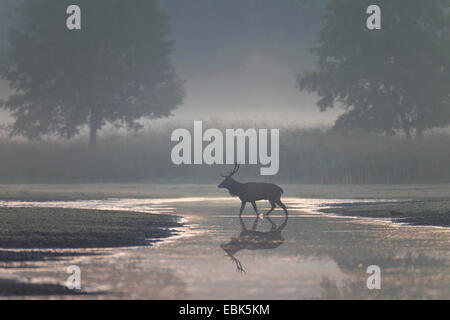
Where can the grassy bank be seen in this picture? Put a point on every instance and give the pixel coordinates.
(14, 288)
(306, 156)
(421, 213)
(71, 228)
(50, 228)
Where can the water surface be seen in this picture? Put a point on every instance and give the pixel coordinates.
(219, 256)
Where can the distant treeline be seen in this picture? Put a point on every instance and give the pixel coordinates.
(306, 156)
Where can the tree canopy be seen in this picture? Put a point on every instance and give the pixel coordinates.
(396, 78)
(116, 69)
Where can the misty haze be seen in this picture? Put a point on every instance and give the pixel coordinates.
(103, 167)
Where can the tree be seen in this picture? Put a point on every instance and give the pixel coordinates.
(116, 69)
(396, 78)
(7, 9)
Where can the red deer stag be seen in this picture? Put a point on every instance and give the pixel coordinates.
(252, 192)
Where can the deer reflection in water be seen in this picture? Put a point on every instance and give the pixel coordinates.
(254, 240)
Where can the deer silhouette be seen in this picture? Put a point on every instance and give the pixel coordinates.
(254, 240)
(252, 192)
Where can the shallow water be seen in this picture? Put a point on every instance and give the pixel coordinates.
(308, 255)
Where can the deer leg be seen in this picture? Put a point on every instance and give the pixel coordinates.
(254, 207)
(242, 207)
(274, 226)
(271, 209)
(243, 227)
(255, 224)
(281, 204)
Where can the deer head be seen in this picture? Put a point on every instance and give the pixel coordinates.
(229, 182)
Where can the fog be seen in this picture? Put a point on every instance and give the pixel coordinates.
(239, 59)
(243, 56)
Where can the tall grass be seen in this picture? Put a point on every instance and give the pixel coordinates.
(306, 156)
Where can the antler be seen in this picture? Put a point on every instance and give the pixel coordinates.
(232, 172)
(239, 267)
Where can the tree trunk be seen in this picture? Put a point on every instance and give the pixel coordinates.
(407, 133)
(93, 136)
(93, 129)
(405, 125)
(419, 134)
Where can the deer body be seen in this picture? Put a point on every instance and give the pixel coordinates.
(252, 192)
